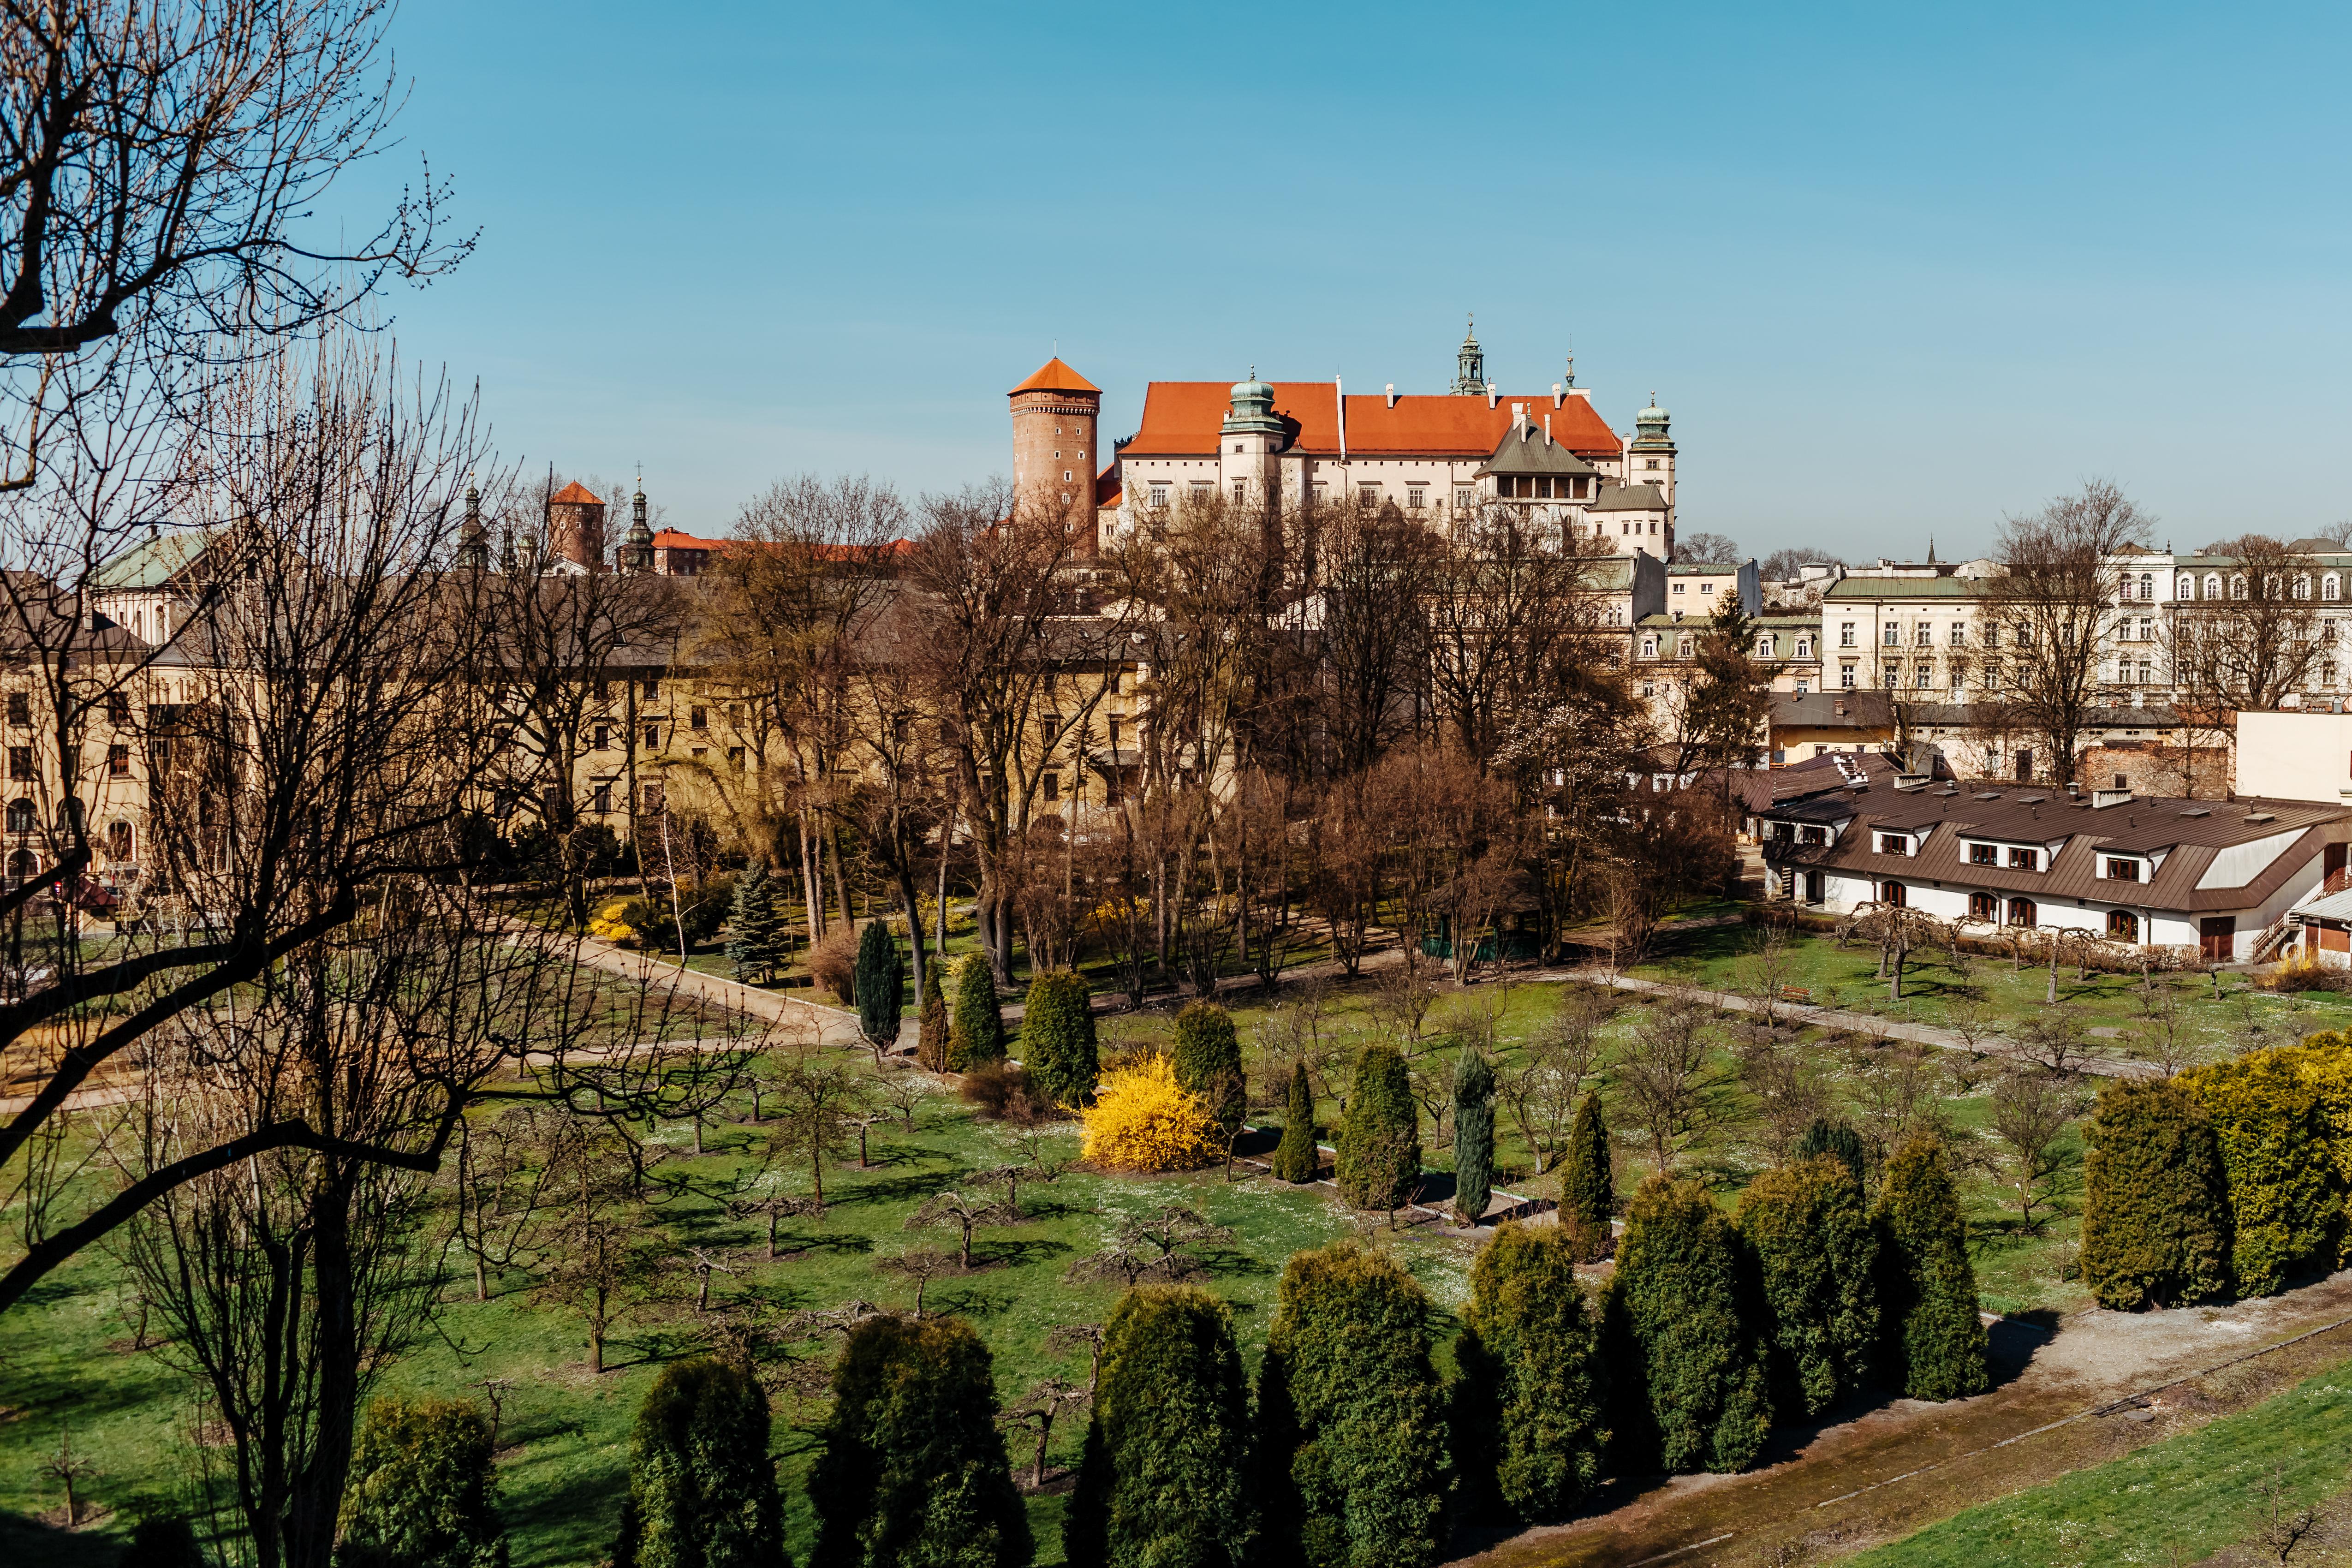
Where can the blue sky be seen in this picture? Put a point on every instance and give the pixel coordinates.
(1895, 271)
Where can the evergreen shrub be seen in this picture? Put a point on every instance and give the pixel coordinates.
(423, 1489)
(1697, 1396)
(1934, 1342)
(1474, 1136)
(1838, 1138)
(1589, 1181)
(976, 1032)
(1058, 1038)
(2156, 1202)
(1208, 1060)
(1816, 1256)
(1165, 1477)
(755, 926)
(1531, 1418)
(914, 1471)
(702, 1489)
(2285, 1202)
(879, 978)
(1380, 1135)
(931, 1044)
(1298, 1159)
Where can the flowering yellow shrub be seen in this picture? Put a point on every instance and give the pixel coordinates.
(620, 920)
(1141, 1120)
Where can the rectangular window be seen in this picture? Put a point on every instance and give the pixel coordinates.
(1983, 855)
(653, 738)
(604, 736)
(652, 690)
(1984, 908)
(1159, 494)
(20, 708)
(119, 841)
(649, 798)
(1707, 587)
(1894, 843)
(1892, 636)
(2025, 860)
(1960, 634)
(1814, 835)
(698, 717)
(1241, 493)
(602, 797)
(118, 708)
(1926, 636)
(735, 757)
(1053, 783)
(2123, 870)
(1845, 675)
(20, 765)
(1678, 587)
(1846, 634)
(1462, 499)
(117, 761)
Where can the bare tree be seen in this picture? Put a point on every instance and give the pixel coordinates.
(820, 1099)
(1163, 1247)
(1665, 1077)
(920, 1265)
(963, 1213)
(2032, 1109)
(1541, 1090)
(1038, 1410)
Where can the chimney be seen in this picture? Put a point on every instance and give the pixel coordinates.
(1493, 397)
(1558, 395)
(1392, 394)
(1519, 417)
(1546, 429)
(2103, 798)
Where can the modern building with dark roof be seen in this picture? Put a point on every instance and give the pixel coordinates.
(2217, 875)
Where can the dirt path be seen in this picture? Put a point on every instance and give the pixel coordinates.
(2103, 1384)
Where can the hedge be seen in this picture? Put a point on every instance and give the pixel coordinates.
(1816, 1258)
(2285, 1202)
(2156, 1203)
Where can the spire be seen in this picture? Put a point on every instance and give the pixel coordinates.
(1571, 369)
(637, 553)
(1470, 378)
(1931, 550)
(473, 545)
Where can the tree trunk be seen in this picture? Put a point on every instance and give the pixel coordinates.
(596, 1347)
(316, 1495)
(840, 875)
(771, 1235)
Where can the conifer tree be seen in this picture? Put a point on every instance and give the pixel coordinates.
(702, 1489)
(1474, 1136)
(878, 979)
(2284, 1209)
(1058, 1038)
(1816, 1256)
(423, 1489)
(753, 926)
(976, 1032)
(1702, 1399)
(932, 1045)
(1588, 1180)
(1298, 1159)
(1838, 1138)
(1165, 1476)
(2156, 1206)
(1531, 1407)
(1934, 1342)
(1380, 1135)
(1354, 1469)
(914, 1469)
(1208, 1061)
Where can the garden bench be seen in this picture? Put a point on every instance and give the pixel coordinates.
(1796, 993)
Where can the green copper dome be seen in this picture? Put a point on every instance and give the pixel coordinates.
(1253, 408)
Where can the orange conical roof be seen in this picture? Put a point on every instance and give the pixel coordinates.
(1055, 376)
(577, 492)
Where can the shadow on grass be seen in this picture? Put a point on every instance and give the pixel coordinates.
(1014, 1253)
(29, 1541)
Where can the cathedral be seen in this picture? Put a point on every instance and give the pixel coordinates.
(1436, 457)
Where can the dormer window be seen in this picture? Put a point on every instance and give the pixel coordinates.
(1815, 836)
(2122, 870)
(1983, 855)
(1895, 844)
(2025, 860)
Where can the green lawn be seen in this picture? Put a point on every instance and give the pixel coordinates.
(2175, 1501)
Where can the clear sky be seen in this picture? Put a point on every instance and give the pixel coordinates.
(1894, 269)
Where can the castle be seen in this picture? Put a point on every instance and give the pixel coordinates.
(1438, 457)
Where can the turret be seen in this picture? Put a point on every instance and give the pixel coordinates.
(637, 553)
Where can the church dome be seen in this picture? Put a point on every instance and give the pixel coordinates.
(1253, 390)
(1653, 415)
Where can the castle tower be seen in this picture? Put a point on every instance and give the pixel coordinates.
(1650, 457)
(1054, 452)
(1470, 378)
(1251, 434)
(473, 544)
(576, 526)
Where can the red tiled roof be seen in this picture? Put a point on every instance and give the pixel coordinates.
(575, 492)
(1108, 486)
(1182, 417)
(671, 539)
(1054, 376)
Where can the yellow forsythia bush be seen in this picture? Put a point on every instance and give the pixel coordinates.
(620, 921)
(1142, 1120)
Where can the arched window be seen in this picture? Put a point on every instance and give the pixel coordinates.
(24, 866)
(2022, 912)
(1649, 648)
(2303, 585)
(1893, 894)
(1804, 648)
(2331, 586)
(2123, 925)
(1765, 645)
(2186, 588)
(2212, 584)
(2148, 584)
(20, 816)
(2237, 587)
(1682, 649)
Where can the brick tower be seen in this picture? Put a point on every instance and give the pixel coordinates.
(575, 525)
(1054, 451)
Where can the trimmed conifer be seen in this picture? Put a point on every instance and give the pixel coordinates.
(1298, 1159)
(976, 1028)
(1058, 1038)
(1838, 1138)
(754, 948)
(879, 977)
(1588, 1178)
(702, 1489)
(1354, 1466)
(914, 1469)
(423, 1489)
(1380, 1135)
(1816, 1256)
(2156, 1203)
(1531, 1407)
(1935, 1343)
(1698, 1399)
(1208, 1062)
(931, 1044)
(1474, 1136)
(1165, 1476)
(2272, 1126)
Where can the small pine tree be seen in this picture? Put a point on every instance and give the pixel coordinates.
(878, 979)
(1208, 1057)
(1058, 1038)
(1838, 1138)
(914, 1469)
(1531, 1406)
(423, 1490)
(1165, 1476)
(976, 1030)
(1296, 1159)
(1928, 1291)
(931, 1047)
(753, 926)
(1354, 1465)
(1816, 1256)
(1380, 1135)
(1703, 1401)
(2156, 1206)
(1588, 1183)
(702, 1489)
(1474, 1136)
